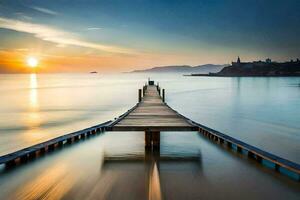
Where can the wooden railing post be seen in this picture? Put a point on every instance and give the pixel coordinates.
(163, 95)
(140, 95)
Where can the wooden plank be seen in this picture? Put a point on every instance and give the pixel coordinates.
(153, 128)
(152, 113)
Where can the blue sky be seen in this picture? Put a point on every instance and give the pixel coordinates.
(122, 35)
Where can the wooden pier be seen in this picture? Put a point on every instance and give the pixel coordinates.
(152, 115)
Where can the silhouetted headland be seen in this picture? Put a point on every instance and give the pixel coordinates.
(258, 68)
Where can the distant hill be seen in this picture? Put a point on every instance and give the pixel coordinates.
(207, 68)
(258, 68)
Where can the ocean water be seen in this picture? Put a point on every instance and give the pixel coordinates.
(264, 112)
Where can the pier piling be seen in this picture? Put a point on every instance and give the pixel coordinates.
(148, 141)
(152, 140)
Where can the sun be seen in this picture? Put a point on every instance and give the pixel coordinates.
(32, 62)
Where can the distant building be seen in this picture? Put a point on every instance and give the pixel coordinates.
(249, 65)
(237, 63)
(262, 68)
(268, 60)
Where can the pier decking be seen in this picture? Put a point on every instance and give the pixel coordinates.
(152, 115)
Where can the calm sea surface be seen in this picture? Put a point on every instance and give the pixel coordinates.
(264, 112)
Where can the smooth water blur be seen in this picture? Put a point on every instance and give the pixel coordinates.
(35, 108)
(260, 111)
(264, 112)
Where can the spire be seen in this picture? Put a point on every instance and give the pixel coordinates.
(238, 60)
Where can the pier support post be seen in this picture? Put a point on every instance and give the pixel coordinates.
(221, 141)
(250, 154)
(216, 138)
(88, 134)
(24, 158)
(258, 159)
(277, 167)
(163, 95)
(60, 143)
(229, 144)
(42, 151)
(140, 95)
(152, 141)
(239, 149)
(148, 141)
(76, 137)
(32, 155)
(69, 140)
(51, 147)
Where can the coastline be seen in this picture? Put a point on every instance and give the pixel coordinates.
(217, 75)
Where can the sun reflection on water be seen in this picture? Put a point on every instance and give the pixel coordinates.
(52, 183)
(33, 117)
(33, 92)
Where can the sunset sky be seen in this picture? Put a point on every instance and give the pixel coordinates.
(122, 35)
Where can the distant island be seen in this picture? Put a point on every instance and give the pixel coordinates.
(93, 72)
(185, 69)
(257, 68)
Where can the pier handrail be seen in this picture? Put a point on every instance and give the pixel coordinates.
(256, 151)
(290, 165)
(32, 149)
(117, 119)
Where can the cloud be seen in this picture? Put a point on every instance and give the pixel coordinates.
(61, 38)
(44, 10)
(93, 28)
(22, 16)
